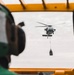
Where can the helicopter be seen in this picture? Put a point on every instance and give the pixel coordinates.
(49, 32)
(49, 29)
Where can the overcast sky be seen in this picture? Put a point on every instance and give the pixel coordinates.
(37, 49)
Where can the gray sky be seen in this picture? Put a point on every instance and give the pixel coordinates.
(37, 49)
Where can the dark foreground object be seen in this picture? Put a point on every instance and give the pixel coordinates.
(51, 52)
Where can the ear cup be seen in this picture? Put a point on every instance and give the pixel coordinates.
(21, 40)
(13, 45)
(18, 46)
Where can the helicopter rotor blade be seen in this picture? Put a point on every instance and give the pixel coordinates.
(73, 22)
(41, 26)
(42, 23)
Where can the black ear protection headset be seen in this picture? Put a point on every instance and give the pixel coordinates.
(16, 34)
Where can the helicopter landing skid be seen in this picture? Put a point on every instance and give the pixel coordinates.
(47, 35)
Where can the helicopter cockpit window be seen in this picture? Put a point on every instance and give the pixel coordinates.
(45, 48)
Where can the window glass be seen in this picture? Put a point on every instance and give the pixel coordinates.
(37, 49)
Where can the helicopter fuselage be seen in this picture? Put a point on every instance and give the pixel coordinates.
(49, 30)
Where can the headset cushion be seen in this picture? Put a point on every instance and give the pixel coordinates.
(21, 40)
